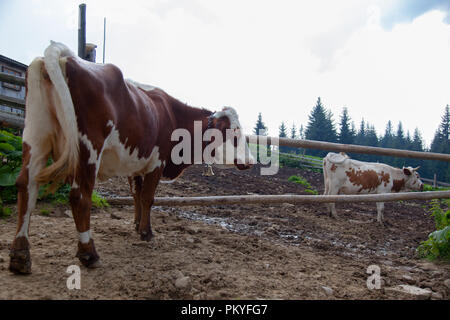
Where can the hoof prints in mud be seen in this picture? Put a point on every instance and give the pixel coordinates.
(318, 241)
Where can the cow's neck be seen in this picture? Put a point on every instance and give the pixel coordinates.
(185, 118)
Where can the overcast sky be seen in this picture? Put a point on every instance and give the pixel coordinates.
(382, 59)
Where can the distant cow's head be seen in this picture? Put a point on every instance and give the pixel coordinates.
(412, 179)
(233, 151)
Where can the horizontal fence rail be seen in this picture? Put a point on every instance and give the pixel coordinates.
(303, 161)
(351, 148)
(274, 199)
(438, 183)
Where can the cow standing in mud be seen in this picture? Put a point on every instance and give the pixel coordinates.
(343, 175)
(94, 123)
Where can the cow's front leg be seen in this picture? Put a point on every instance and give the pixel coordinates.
(150, 183)
(380, 215)
(136, 191)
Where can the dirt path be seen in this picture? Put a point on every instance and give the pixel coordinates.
(229, 252)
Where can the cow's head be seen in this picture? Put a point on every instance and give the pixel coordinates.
(412, 179)
(233, 150)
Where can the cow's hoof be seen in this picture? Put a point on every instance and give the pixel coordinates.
(87, 255)
(20, 261)
(146, 235)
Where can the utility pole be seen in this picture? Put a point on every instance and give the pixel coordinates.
(104, 38)
(82, 31)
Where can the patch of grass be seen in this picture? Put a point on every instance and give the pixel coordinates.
(302, 181)
(98, 201)
(428, 187)
(312, 191)
(5, 212)
(437, 246)
(45, 212)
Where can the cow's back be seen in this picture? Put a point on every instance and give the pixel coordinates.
(117, 120)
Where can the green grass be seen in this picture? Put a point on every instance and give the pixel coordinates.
(5, 212)
(428, 187)
(98, 201)
(302, 181)
(45, 212)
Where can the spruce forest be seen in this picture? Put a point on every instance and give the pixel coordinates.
(322, 126)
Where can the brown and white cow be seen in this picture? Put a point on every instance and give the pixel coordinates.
(343, 175)
(93, 123)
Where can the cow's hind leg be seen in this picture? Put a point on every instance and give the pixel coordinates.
(331, 206)
(380, 209)
(150, 183)
(33, 160)
(136, 191)
(80, 198)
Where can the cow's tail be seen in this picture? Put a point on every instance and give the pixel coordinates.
(67, 162)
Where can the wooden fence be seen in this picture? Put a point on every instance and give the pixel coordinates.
(274, 199)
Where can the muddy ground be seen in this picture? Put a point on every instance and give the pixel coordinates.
(229, 252)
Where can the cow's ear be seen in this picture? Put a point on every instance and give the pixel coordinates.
(407, 171)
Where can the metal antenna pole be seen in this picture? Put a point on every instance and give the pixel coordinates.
(104, 38)
(82, 31)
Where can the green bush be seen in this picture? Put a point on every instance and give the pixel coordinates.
(10, 165)
(438, 243)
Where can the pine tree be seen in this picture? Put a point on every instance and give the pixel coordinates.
(441, 138)
(320, 127)
(361, 135)
(417, 142)
(399, 139)
(301, 132)
(388, 139)
(330, 129)
(283, 134)
(408, 141)
(417, 145)
(371, 137)
(346, 135)
(293, 132)
(441, 144)
(260, 128)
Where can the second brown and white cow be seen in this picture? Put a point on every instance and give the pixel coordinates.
(343, 175)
